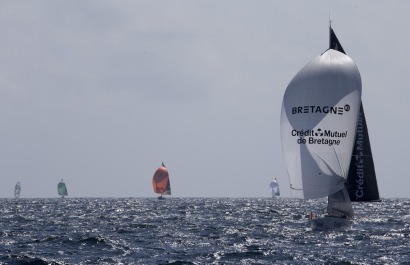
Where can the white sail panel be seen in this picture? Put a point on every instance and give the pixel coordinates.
(318, 124)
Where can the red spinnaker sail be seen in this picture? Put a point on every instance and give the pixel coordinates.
(160, 181)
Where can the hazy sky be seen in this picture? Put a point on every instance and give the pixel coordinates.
(99, 93)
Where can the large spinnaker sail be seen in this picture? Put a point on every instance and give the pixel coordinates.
(361, 182)
(161, 182)
(62, 189)
(318, 124)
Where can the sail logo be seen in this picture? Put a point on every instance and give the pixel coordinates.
(359, 159)
(319, 136)
(321, 109)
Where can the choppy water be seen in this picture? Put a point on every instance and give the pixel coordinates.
(197, 231)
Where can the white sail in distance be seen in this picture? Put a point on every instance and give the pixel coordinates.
(318, 124)
(274, 187)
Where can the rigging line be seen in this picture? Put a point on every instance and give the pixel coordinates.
(338, 161)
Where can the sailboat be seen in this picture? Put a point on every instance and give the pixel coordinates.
(62, 189)
(17, 190)
(161, 182)
(274, 187)
(319, 119)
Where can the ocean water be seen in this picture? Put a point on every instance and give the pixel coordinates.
(197, 231)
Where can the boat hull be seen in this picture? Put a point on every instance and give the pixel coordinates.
(331, 223)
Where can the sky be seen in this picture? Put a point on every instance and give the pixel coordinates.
(99, 93)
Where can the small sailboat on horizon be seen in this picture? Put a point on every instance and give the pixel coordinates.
(161, 182)
(319, 119)
(274, 188)
(62, 189)
(17, 190)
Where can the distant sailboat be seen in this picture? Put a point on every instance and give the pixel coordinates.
(161, 182)
(62, 189)
(318, 127)
(274, 187)
(17, 190)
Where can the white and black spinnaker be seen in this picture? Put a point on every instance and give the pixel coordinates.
(318, 126)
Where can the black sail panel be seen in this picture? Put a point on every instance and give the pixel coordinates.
(361, 182)
(334, 42)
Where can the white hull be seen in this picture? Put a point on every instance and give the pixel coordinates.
(329, 223)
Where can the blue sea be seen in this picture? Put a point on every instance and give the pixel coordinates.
(197, 231)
